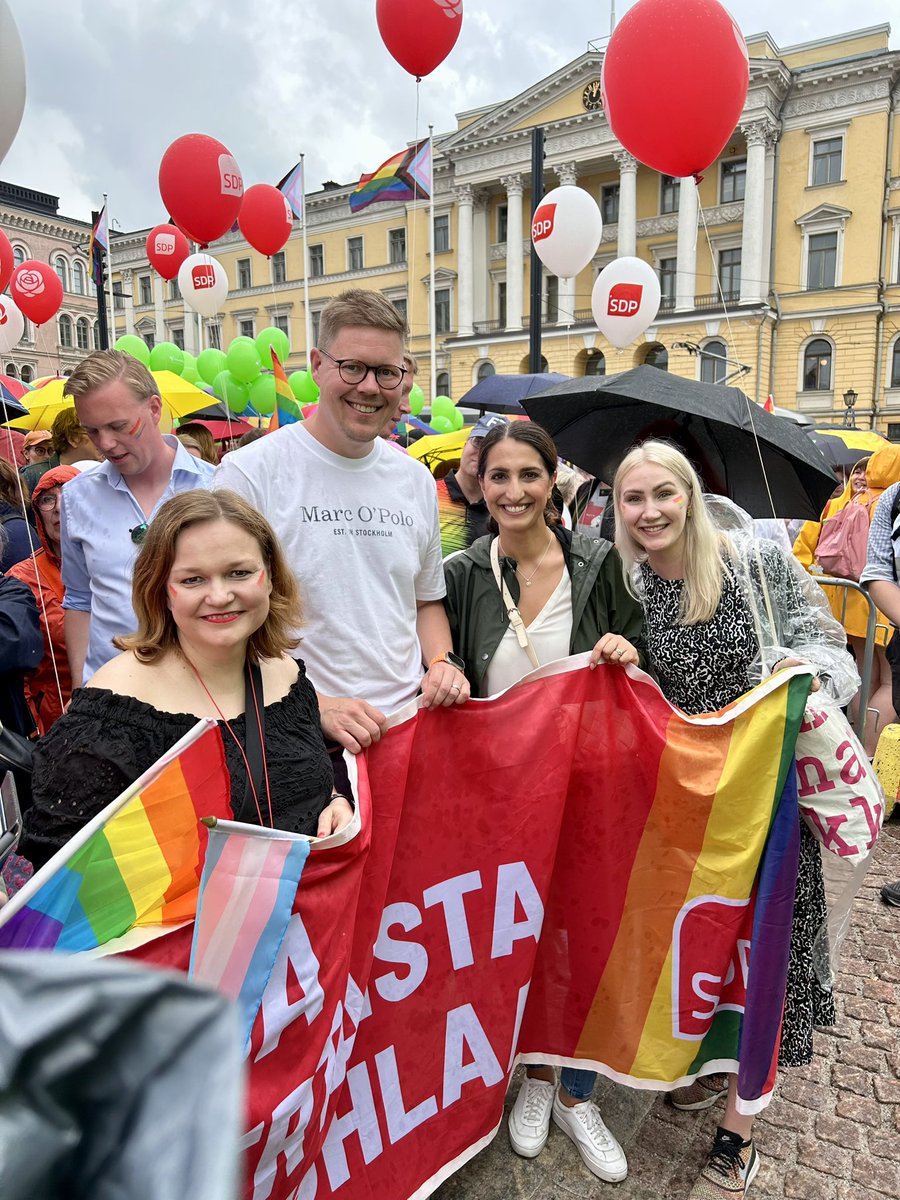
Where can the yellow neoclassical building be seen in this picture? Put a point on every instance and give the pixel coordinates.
(780, 271)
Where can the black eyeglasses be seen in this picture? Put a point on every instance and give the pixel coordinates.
(139, 532)
(352, 371)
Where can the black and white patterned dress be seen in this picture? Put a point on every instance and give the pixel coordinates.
(701, 668)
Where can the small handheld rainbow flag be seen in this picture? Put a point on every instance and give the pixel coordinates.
(287, 410)
(404, 176)
(138, 862)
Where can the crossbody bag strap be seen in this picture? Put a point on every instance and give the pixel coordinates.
(254, 735)
(515, 617)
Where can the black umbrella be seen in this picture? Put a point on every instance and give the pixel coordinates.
(597, 419)
(842, 447)
(505, 393)
(10, 407)
(216, 410)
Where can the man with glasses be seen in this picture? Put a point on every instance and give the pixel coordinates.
(106, 511)
(359, 524)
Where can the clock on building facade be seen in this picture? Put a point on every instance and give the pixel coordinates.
(591, 97)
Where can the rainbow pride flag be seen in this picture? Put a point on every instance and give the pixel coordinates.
(404, 176)
(136, 863)
(247, 893)
(287, 410)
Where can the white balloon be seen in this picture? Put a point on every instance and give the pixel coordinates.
(12, 325)
(566, 230)
(625, 300)
(203, 283)
(12, 79)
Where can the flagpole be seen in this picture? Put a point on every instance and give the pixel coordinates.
(109, 286)
(431, 271)
(306, 313)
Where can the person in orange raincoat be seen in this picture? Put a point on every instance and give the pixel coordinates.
(867, 481)
(46, 697)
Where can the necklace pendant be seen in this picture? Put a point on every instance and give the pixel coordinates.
(528, 583)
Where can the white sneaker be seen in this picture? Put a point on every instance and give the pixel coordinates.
(529, 1121)
(601, 1153)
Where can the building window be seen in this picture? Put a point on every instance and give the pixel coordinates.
(149, 340)
(12, 371)
(502, 222)
(400, 304)
(61, 267)
(501, 303)
(315, 322)
(178, 337)
(442, 310)
(27, 374)
(283, 322)
(669, 191)
(246, 327)
(895, 365)
(551, 306)
(279, 271)
(214, 336)
(595, 364)
(65, 331)
(712, 363)
(19, 256)
(734, 179)
(657, 356)
(667, 274)
(893, 429)
(822, 266)
(817, 366)
(609, 203)
(442, 233)
(730, 273)
(826, 161)
(442, 383)
(485, 371)
(78, 279)
(82, 334)
(174, 290)
(355, 254)
(118, 298)
(316, 261)
(95, 334)
(145, 290)
(397, 245)
(244, 274)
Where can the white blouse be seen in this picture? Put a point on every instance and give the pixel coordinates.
(550, 633)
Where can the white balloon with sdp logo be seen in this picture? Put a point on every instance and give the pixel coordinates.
(12, 79)
(625, 300)
(566, 230)
(203, 283)
(12, 325)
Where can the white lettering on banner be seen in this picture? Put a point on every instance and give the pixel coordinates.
(520, 1013)
(466, 1038)
(362, 1119)
(742, 952)
(514, 883)
(400, 1122)
(391, 986)
(278, 1012)
(339, 1045)
(450, 896)
(294, 1110)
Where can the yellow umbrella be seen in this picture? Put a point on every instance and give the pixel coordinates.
(437, 448)
(46, 402)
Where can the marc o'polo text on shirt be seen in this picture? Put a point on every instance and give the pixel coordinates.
(365, 516)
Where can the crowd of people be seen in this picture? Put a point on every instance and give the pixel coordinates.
(317, 579)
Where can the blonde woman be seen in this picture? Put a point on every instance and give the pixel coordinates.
(710, 640)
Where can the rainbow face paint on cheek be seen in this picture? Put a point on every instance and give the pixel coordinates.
(137, 429)
(261, 578)
(679, 500)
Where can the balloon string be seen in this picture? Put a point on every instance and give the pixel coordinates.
(731, 341)
(413, 209)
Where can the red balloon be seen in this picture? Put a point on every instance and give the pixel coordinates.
(167, 248)
(7, 262)
(201, 187)
(36, 290)
(419, 33)
(675, 109)
(266, 219)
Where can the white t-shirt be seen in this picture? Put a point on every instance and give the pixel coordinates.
(363, 538)
(550, 633)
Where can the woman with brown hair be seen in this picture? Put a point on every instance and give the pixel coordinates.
(19, 539)
(198, 440)
(215, 603)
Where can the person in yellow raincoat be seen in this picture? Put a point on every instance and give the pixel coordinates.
(867, 481)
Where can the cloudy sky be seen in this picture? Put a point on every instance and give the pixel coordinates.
(112, 82)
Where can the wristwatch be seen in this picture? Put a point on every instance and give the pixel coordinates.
(449, 657)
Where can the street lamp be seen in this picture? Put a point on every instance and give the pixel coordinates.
(850, 398)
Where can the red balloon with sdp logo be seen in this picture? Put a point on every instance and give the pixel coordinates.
(201, 186)
(419, 33)
(167, 248)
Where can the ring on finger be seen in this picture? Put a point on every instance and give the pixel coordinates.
(455, 688)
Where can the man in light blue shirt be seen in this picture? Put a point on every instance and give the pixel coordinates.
(105, 512)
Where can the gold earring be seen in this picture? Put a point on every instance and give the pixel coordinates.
(690, 512)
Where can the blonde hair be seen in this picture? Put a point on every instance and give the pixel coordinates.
(105, 366)
(357, 307)
(703, 565)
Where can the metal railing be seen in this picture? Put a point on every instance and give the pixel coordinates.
(714, 300)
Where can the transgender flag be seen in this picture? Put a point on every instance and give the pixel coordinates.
(247, 892)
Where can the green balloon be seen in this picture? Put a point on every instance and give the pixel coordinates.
(304, 387)
(442, 406)
(242, 360)
(456, 420)
(130, 343)
(165, 356)
(235, 394)
(416, 400)
(189, 363)
(269, 337)
(441, 424)
(262, 394)
(210, 363)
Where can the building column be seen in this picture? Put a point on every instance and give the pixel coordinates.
(482, 253)
(686, 261)
(754, 287)
(567, 174)
(127, 285)
(159, 308)
(515, 279)
(465, 197)
(628, 166)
